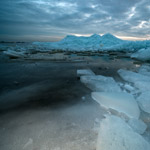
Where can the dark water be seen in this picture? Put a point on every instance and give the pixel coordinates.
(51, 82)
(44, 106)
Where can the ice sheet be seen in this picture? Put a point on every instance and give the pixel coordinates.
(116, 134)
(119, 101)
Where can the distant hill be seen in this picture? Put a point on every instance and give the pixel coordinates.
(94, 42)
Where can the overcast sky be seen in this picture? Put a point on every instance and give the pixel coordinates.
(50, 20)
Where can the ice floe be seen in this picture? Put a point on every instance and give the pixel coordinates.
(144, 101)
(129, 88)
(116, 134)
(81, 72)
(142, 54)
(142, 82)
(14, 54)
(125, 130)
(121, 102)
(144, 69)
(100, 83)
(137, 125)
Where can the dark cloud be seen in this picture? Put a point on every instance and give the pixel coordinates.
(45, 19)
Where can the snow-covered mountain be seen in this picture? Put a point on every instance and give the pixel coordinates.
(93, 43)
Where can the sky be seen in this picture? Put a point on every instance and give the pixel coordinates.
(52, 20)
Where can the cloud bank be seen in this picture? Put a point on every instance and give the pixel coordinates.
(51, 20)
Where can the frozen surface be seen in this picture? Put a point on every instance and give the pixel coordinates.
(82, 72)
(116, 134)
(137, 125)
(144, 101)
(123, 103)
(100, 83)
(142, 54)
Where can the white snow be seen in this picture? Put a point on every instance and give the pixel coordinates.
(142, 54)
(144, 101)
(100, 83)
(123, 103)
(116, 134)
(137, 125)
(81, 72)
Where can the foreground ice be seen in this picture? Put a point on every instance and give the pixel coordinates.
(142, 54)
(116, 134)
(121, 102)
(82, 72)
(144, 101)
(100, 83)
(137, 125)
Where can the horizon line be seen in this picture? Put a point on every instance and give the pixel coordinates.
(56, 38)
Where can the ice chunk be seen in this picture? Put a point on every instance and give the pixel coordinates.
(131, 76)
(144, 101)
(116, 134)
(137, 125)
(82, 72)
(142, 54)
(129, 88)
(100, 83)
(121, 102)
(14, 54)
(145, 70)
(140, 81)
